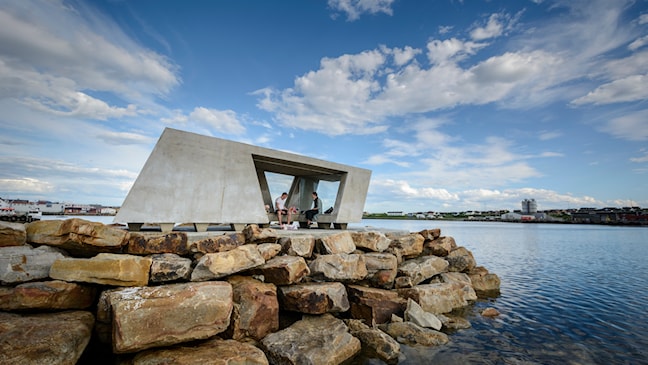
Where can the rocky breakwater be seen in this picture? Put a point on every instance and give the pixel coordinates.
(253, 297)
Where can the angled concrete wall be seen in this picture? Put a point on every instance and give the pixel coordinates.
(191, 178)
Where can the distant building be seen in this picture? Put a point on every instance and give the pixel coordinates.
(395, 213)
(529, 206)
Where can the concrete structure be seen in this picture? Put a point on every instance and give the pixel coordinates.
(529, 206)
(190, 178)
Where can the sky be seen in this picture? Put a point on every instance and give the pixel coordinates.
(453, 105)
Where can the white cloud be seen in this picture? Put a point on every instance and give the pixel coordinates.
(548, 135)
(124, 138)
(494, 28)
(632, 126)
(225, 121)
(355, 8)
(631, 88)
(641, 159)
(25, 185)
(638, 43)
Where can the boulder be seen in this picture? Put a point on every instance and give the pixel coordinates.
(47, 295)
(485, 284)
(12, 234)
(313, 340)
(411, 334)
(490, 312)
(371, 241)
(167, 267)
(438, 297)
(454, 322)
(314, 298)
(254, 234)
(146, 317)
(53, 338)
(430, 234)
(341, 242)
(19, 264)
(104, 269)
(269, 250)
(461, 260)
(375, 342)
(440, 246)
(77, 236)
(214, 244)
(211, 352)
(143, 243)
(256, 308)
(374, 305)
(339, 267)
(298, 245)
(406, 246)
(415, 314)
(422, 268)
(221, 264)
(283, 270)
(381, 269)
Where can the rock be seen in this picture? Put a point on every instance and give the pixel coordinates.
(298, 245)
(430, 234)
(411, 334)
(104, 269)
(374, 305)
(19, 264)
(415, 314)
(440, 246)
(152, 243)
(490, 312)
(54, 338)
(256, 308)
(313, 340)
(453, 322)
(375, 342)
(12, 234)
(461, 260)
(46, 295)
(167, 267)
(438, 297)
(146, 317)
(212, 352)
(381, 269)
(406, 246)
(485, 284)
(214, 244)
(77, 236)
(314, 298)
(371, 240)
(269, 250)
(422, 268)
(339, 267)
(336, 243)
(221, 264)
(283, 270)
(256, 235)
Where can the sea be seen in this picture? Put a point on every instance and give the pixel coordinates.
(570, 294)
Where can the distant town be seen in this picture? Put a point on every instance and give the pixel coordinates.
(528, 213)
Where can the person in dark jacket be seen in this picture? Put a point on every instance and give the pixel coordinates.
(315, 210)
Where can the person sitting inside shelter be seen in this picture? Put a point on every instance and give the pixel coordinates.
(280, 208)
(315, 210)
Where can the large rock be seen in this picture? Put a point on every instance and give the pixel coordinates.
(298, 245)
(375, 342)
(440, 246)
(314, 298)
(313, 340)
(415, 314)
(19, 264)
(104, 269)
(269, 250)
(214, 244)
(256, 308)
(461, 260)
(218, 265)
(438, 297)
(405, 246)
(167, 267)
(141, 243)
(53, 339)
(212, 352)
(422, 268)
(47, 295)
(146, 317)
(283, 270)
(381, 269)
(12, 234)
(430, 234)
(486, 284)
(77, 236)
(374, 305)
(336, 243)
(339, 267)
(371, 241)
(411, 334)
(254, 234)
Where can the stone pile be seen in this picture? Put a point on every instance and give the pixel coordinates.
(259, 296)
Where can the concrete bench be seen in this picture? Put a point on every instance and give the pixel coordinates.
(323, 220)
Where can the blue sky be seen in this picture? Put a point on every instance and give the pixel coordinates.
(454, 105)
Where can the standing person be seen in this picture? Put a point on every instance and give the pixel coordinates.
(315, 210)
(280, 208)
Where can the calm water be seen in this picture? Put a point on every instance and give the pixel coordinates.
(570, 294)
